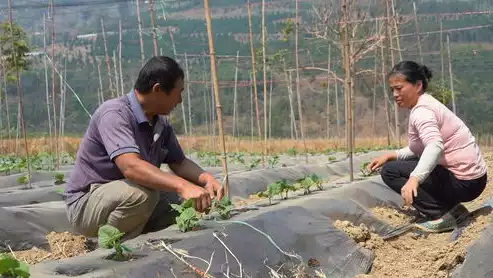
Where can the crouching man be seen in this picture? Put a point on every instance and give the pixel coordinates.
(117, 180)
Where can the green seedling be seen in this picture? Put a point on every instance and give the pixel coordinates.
(23, 179)
(188, 219)
(273, 161)
(110, 237)
(310, 180)
(364, 170)
(254, 163)
(332, 158)
(59, 178)
(12, 268)
(223, 207)
(292, 151)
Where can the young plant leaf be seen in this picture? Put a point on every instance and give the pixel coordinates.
(108, 236)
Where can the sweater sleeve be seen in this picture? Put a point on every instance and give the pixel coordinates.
(426, 124)
(405, 154)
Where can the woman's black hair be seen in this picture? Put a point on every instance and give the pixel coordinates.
(413, 72)
(159, 69)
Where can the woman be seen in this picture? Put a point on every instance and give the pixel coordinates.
(442, 165)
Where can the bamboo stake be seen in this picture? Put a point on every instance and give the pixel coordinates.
(108, 65)
(451, 78)
(254, 75)
(374, 105)
(47, 84)
(328, 91)
(7, 104)
(441, 52)
(21, 96)
(386, 97)
(264, 64)
(189, 98)
(53, 90)
(390, 46)
(289, 81)
(216, 93)
(115, 66)
(417, 32)
(154, 29)
(396, 28)
(298, 94)
(338, 119)
(141, 39)
(270, 106)
(235, 119)
(101, 95)
(120, 50)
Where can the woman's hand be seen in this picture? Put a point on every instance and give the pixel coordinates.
(410, 190)
(378, 162)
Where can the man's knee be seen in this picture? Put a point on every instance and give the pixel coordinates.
(119, 203)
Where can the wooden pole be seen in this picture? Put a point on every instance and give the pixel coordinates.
(141, 39)
(328, 92)
(254, 76)
(20, 94)
(120, 50)
(108, 65)
(450, 74)
(189, 92)
(264, 64)
(418, 39)
(47, 90)
(154, 29)
(298, 93)
(212, 51)
(53, 88)
(235, 117)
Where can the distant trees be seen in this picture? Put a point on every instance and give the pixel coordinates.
(13, 47)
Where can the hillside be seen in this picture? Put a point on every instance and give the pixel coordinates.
(470, 37)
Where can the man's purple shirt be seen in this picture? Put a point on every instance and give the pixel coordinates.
(120, 126)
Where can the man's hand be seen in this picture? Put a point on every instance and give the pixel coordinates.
(201, 196)
(214, 188)
(410, 190)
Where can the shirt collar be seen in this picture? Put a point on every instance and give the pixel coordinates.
(137, 108)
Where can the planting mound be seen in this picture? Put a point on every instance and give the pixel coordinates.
(338, 231)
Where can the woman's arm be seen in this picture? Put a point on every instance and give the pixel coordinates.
(405, 154)
(426, 124)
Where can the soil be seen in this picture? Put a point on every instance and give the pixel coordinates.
(433, 256)
(62, 245)
(392, 216)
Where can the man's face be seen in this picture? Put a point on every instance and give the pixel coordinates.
(164, 102)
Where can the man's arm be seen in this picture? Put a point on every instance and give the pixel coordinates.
(118, 138)
(190, 171)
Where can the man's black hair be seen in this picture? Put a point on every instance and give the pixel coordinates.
(159, 69)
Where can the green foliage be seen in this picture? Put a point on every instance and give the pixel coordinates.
(310, 180)
(14, 46)
(254, 163)
(110, 237)
(292, 152)
(12, 268)
(274, 160)
(23, 179)
(59, 178)
(287, 30)
(188, 218)
(223, 207)
(441, 92)
(364, 170)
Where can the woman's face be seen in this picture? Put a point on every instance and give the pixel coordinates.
(405, 93)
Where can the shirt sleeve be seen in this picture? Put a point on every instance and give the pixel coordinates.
(175, 152)
(405, 154)
(428, 131)
(117, 134)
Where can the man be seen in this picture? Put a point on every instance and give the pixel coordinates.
(117, 180)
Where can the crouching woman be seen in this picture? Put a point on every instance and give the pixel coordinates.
(442, 165)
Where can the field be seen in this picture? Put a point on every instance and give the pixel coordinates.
(304, 219)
